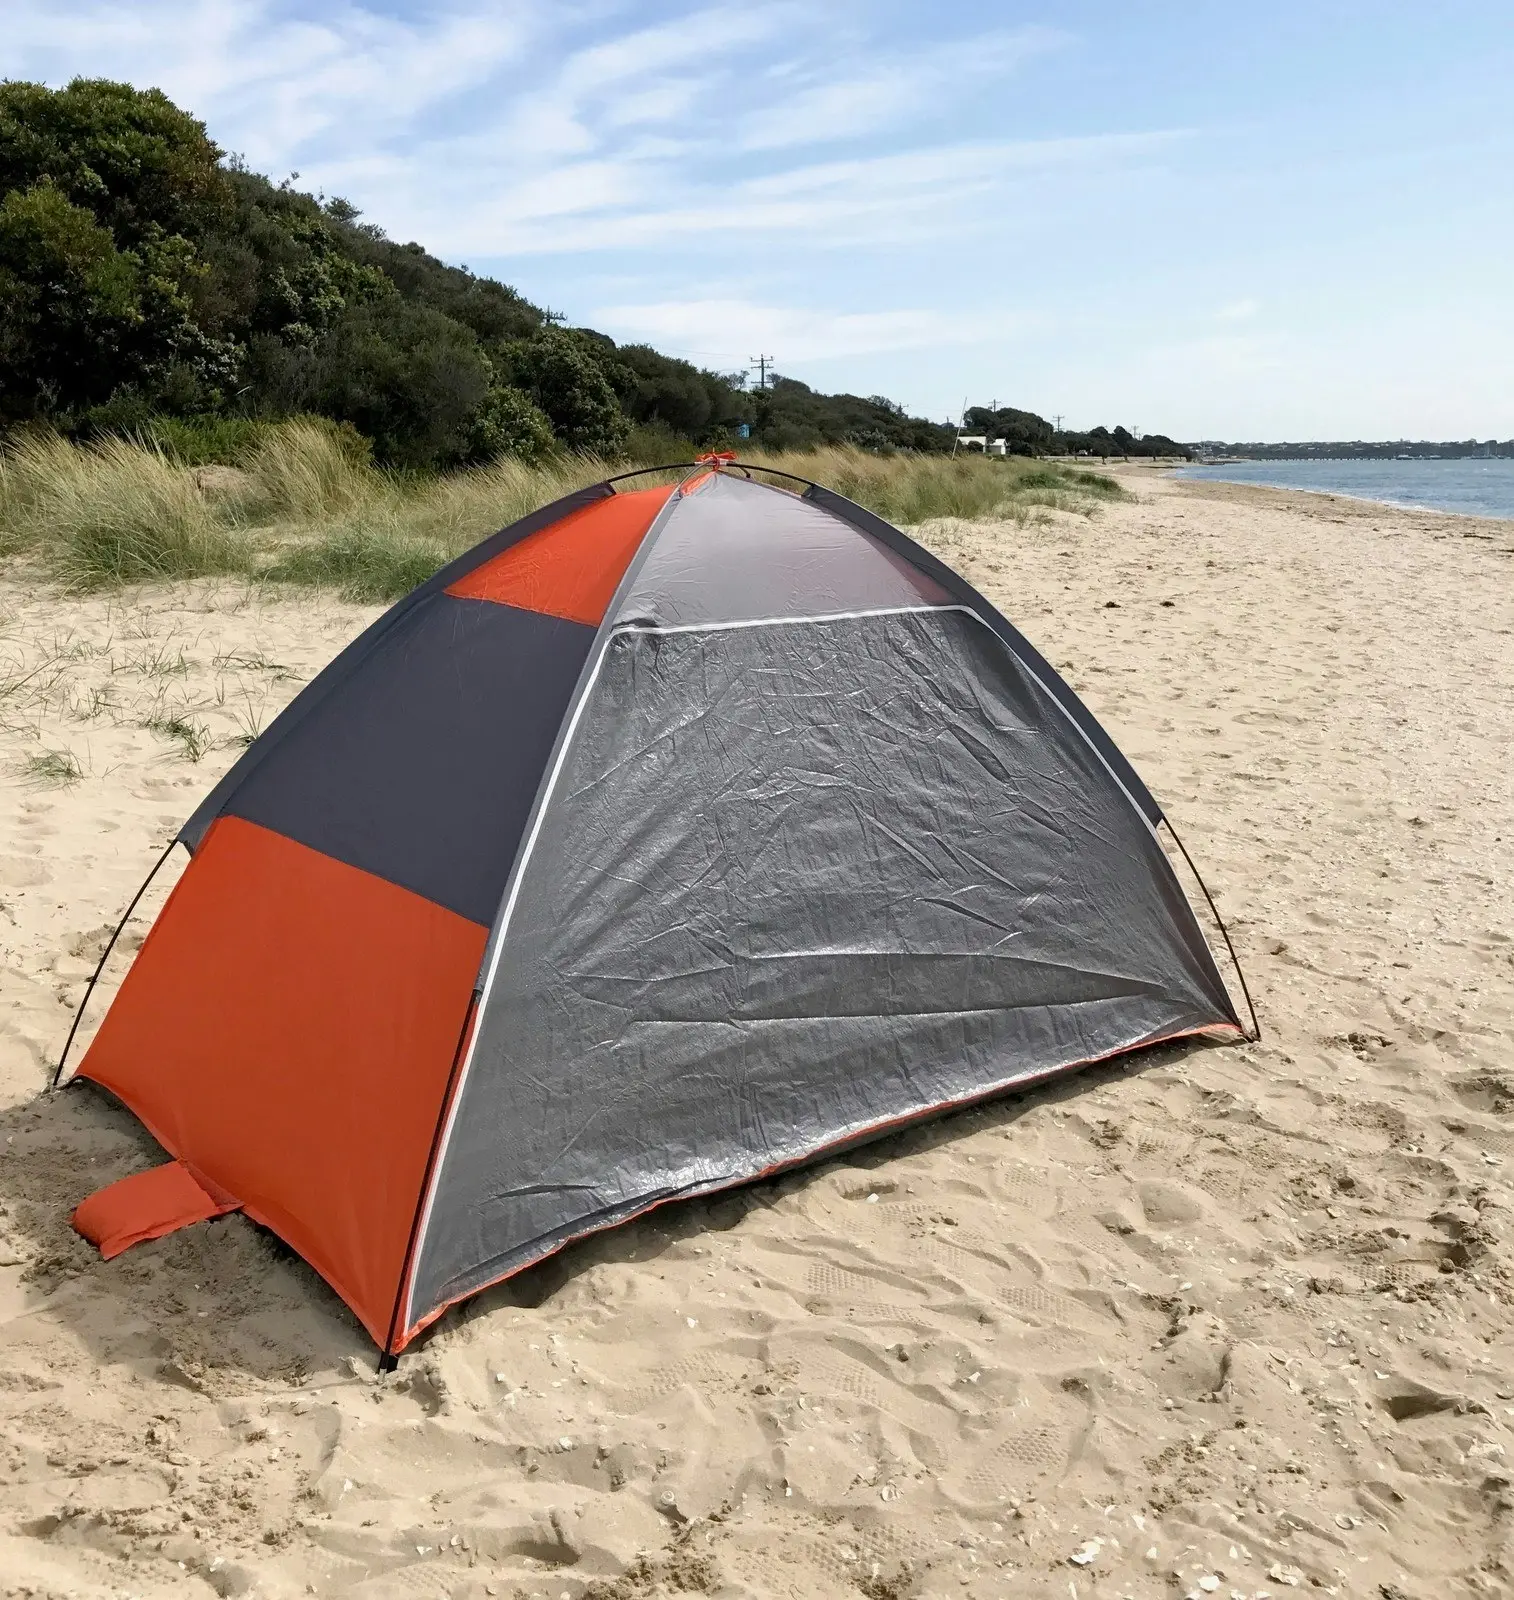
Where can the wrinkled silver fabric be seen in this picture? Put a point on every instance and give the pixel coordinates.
(796, 883)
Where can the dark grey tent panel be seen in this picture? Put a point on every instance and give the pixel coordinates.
(732, 550)
(353, 660)
(422, 769)
(795, 883)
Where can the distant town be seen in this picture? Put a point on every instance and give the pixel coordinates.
(1355, 450)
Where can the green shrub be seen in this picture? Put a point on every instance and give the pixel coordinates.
(653, 444)
(507, 423)
(406, 376)
(563, 375)
(373, 564)
(205, 440)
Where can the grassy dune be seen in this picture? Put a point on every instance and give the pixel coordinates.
(301, 508)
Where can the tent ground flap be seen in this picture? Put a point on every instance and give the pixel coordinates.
(147, 1205)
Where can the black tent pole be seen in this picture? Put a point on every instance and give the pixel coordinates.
(1219, 921)
(105, 956)
(388, 1361)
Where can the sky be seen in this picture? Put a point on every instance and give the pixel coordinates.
(1202, 219)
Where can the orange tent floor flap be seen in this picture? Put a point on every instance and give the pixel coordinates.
(146, 1205)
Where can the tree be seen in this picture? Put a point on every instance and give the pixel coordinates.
(68, 303)
(563, 379)
(1024, 433)
(407, 376)
(507, 423)
(128, 156)
(80, 318)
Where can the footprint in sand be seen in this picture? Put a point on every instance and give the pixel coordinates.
(419, 1578)
(832, 1369)
(1034, 1446)
(23, 872)
(708, 1374)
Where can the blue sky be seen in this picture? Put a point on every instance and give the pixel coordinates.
(1209, 220)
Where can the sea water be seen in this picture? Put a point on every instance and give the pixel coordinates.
(1473, 487)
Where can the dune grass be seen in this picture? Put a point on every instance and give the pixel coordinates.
(58, 769)
(915, 489)
(115, 513)
(305, 506)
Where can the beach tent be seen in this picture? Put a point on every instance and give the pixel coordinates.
(669, 838)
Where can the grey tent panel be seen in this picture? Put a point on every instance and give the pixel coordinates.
(422, 768)
(957, 587)
(732, 550)
(845, 873)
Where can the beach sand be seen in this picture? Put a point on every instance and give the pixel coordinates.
(1213, 1320)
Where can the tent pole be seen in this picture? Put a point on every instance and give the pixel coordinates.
(388, 1360)
(110, 945)
(1219, 921)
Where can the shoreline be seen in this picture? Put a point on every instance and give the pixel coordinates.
(1176, 474)
(1361, 505)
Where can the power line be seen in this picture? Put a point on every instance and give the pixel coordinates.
(762, 363)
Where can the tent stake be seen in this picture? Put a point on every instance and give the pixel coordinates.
(105, 956)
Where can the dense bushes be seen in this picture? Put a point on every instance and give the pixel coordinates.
(791, 416)
(561, 375)
(145, 277)
(104, 191)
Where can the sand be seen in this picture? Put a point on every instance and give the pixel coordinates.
(1215, 1320)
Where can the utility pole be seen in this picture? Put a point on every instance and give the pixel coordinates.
(1056, 422)
(762, 363)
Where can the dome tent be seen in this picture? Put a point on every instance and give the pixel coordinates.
(668, 838)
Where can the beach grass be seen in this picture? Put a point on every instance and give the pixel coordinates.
(189, 733)
(58, 769)
(305, 506)
(113, 513)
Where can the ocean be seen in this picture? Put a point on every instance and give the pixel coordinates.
(1472, 487)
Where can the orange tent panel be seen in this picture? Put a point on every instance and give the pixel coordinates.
(287, 1030)
(572, 568)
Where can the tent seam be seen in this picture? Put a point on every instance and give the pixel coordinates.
(495, 946)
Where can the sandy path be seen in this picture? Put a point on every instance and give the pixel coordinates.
(1239, 1313)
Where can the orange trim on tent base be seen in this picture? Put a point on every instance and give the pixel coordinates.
(146, 1205)
(572, 568)
(860, 1136)
(287, 1030)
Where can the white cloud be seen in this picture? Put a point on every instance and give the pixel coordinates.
(828, 111)
(733, 325)
(472, 197)
(1238, 311)
(482, 130)
(836, 108)
(270, 84)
